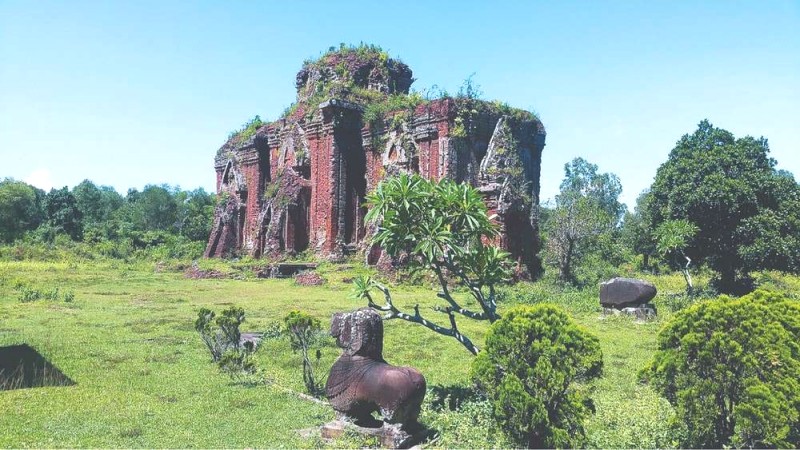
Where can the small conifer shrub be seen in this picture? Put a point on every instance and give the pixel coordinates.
(536, 371)
(731, 368)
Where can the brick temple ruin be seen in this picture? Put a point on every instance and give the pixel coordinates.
(299, 183)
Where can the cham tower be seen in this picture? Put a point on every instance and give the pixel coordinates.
(299, 183)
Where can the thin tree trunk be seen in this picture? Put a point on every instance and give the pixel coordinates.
(686, 275)
(566, 266)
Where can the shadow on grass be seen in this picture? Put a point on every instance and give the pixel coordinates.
(23, 367)
(451, 397)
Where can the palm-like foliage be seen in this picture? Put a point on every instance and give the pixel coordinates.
(672, 238)
(445, 228)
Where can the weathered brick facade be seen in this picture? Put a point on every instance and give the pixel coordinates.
(299, 183)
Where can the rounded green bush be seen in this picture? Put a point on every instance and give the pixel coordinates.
(731, 368)
(535, 370)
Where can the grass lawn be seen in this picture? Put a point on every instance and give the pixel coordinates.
(144, 379)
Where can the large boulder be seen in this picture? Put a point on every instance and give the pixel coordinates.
(623, 292)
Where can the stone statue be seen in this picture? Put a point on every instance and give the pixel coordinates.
(362, 382)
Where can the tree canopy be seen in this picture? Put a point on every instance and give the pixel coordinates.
(729, 189)
(20, 210)
(586, 207)
(157, 215)
(63, 215)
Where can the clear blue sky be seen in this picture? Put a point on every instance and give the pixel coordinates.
(141, 92)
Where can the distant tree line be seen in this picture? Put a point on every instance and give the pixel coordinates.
(100, 215)
(717, 202)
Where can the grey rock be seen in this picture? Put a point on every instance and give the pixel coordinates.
(622, 292)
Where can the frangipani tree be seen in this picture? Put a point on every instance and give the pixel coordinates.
(672, 237)
(443, 227)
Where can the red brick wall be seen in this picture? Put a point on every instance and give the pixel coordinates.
(323, 192)
(252, 176)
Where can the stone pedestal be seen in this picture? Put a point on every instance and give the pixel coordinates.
(640, 312)
(389, 435)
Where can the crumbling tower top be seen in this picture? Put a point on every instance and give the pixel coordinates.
(365, 67)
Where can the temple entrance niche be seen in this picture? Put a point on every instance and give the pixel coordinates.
(518, 236)
(240, 225)
(352, 185)
(298, 223)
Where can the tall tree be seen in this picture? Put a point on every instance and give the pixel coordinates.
(730, 190)
(582, 180)
(20, 210)
(62, 213)
(635, 232)
(96, 203)
(195, 213)
(152, 209)
(587, 206)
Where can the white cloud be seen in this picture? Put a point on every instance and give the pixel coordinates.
(40, 178)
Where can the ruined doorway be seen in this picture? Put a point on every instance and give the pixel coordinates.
(296, 233)
(352, 185)
(242, 212)
(519, 237)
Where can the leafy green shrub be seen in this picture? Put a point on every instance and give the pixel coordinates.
(224, 341)
(273, 330)
(30, 294)
(731, 368)
(27, 294)
(535, 370)
(52, 294)
(303, 330)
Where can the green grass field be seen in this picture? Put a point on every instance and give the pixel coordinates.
(144, 378)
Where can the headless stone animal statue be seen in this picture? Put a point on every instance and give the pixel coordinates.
(362, 382)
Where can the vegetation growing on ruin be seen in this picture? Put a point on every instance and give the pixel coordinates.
(247, 130)
(353, 63)
(343, 75)
(471, 108)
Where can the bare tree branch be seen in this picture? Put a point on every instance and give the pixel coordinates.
(445, 295)
(489, 310)
(393, 313)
